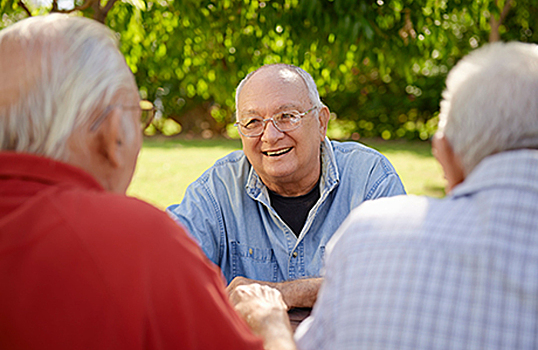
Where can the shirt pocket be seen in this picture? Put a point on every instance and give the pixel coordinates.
(254, 263)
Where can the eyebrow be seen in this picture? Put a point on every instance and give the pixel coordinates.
(284, 107)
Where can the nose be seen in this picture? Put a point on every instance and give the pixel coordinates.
(270, 132)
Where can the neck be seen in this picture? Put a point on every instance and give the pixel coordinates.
(294, 188)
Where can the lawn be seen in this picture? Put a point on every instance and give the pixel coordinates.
(166, 166)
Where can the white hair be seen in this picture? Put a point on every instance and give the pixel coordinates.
(80, 71)
(312, 89)
(490, 104)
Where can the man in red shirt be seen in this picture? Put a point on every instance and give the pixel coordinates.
(82, 266)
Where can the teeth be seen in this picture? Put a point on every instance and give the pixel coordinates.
(279, 152)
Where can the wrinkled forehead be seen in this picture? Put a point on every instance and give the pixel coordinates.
(278, 74)
(20, 66)
(273, 88)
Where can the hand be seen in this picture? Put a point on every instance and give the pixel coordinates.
(241, 281)
(265, 312)
(257, 304)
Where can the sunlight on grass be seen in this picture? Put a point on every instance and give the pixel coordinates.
(421, 174)
(167, 166)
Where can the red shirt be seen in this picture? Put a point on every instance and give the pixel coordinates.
(81, 268)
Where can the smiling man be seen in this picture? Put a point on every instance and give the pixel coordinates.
(267, 212)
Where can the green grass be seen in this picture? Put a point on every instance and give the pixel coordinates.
(166, 166)
(421, 174)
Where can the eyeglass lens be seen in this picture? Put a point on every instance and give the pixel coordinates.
(286, 121)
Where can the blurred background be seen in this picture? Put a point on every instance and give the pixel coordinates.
(379, 65)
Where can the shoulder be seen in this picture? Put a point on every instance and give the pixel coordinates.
(356, 154)
(118, 220)
(403, 216)
(356, 148)
(232, 166)
(393, 208)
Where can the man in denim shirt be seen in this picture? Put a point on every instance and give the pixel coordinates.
(267, 212)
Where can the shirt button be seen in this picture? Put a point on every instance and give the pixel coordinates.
(250, 251)
(295, 254)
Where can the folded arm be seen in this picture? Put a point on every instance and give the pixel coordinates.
(297, 293)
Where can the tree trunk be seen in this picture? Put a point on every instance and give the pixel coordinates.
(495, 24)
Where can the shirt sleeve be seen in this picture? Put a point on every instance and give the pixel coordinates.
(199, 212)
(384, 181)
(186, 301)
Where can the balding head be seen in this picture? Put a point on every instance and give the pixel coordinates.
(56, 75)
(286, 72)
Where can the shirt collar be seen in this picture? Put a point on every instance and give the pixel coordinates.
(329, 174)
(44, 170)
(515, 169)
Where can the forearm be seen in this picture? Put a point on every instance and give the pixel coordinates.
(300, 293)
(297, 293)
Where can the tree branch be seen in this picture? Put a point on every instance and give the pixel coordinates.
(25, 8)
(495, 24)
(109, 5)
(82, 7)
(506, 8)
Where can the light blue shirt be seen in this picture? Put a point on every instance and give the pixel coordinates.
(420, 273)
(229, 212)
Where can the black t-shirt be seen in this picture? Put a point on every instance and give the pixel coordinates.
(294, 210)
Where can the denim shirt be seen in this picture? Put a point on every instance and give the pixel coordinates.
(229, 213)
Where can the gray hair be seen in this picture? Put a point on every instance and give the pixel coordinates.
(490, 104)
(313, 93)
(80, 70)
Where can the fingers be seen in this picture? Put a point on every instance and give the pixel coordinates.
(237, 281)
(257, 294)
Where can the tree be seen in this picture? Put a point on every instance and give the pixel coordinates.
(379, 66)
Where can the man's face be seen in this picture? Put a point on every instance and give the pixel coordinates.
(287, 162)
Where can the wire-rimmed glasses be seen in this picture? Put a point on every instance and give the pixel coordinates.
(253, 126)
(146, 116)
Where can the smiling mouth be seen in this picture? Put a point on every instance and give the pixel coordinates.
(277, 153)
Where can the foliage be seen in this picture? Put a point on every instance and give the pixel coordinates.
(380, 67)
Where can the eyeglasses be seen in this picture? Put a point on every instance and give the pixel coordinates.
(146, 116)
(283, 121)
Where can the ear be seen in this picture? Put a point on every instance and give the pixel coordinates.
(450, 162)
(323, 116)
(110, 138)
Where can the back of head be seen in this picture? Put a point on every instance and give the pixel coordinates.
(490, 104)
(56, 74)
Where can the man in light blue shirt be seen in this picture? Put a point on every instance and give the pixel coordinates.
(266, 213)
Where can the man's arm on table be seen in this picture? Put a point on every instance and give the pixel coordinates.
(297, 293)
(264, 311)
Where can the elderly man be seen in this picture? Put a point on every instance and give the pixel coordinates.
(453, 273)
(456, 273)
(267, 212)
(81, 265)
